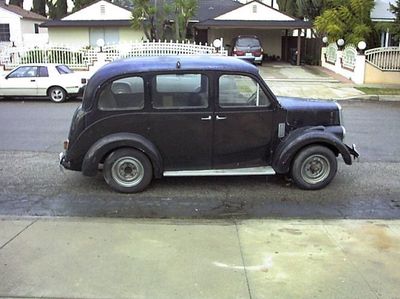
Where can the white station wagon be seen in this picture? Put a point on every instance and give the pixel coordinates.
(56, 81)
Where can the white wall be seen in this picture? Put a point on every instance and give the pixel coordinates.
(356, 75)
(14, 20)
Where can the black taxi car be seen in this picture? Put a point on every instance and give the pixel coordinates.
(145, 118)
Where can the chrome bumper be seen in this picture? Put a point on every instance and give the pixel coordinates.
(353, 151)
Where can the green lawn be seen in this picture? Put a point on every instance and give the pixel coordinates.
(379, 91)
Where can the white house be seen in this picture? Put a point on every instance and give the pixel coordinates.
(99, 20)
(381, 13)
(20, 26)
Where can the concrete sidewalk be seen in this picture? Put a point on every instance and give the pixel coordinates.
(115, 258)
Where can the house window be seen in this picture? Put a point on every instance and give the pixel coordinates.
(4, 32)
(36, 28)
(109, 35)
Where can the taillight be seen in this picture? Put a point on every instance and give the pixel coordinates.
(257, 53)
(238, 52)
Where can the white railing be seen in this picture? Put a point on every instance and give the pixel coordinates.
(75, 58)
(349, 57)
(385, 59)
(11, 57)
(159, 48)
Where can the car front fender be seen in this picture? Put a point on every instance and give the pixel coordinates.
(99, 150)
(298, 139)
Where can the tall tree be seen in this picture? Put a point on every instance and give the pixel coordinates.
(19, 3)
(78, 4)
(395, 28)
(288, 6)
(57, 8)
(310, 9)
(39, 6)
(350, 21)
(152, 19)
(184, 10)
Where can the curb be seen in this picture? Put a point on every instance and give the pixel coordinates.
(372, 98)
(302, 80)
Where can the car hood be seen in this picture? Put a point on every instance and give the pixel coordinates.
(310, 112)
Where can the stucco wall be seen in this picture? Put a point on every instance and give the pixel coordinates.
(73, 37)
(271, 39)
(13, 20)
(374, 75)
(79, 37)
(127, 35)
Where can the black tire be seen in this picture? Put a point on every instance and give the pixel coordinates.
(127, 170)
(57, 94)
(314, 167)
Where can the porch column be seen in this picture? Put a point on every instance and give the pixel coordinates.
(298, 46)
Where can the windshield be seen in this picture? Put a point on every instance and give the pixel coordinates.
(248, 42)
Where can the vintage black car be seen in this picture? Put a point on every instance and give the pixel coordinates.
(145, 118)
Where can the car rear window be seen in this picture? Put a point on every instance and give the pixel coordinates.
(63, 69)
(122, 94)
(248, 42)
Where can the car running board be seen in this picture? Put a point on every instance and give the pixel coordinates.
(264, 170)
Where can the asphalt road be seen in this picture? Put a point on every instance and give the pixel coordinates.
(31, 135)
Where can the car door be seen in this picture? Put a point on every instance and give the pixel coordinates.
(180, 123)
(243, 123)
(43, 80)
(21, 82)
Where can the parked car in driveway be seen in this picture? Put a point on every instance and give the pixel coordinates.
(248, 47)
(146, 118)
(55, 81)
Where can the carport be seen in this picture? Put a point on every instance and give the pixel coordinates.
(273, 27)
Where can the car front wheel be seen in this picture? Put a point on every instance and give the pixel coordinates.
(57, 94)
(127, 170)
(314, 167)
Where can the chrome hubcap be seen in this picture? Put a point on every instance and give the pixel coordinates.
(315, 169)
(57, 95)
(127, 171)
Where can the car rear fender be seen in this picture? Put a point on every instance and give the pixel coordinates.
(103, 147)
(298, 139)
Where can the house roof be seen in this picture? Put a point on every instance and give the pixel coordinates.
(25, 14)
(254, 24)
(98, 14)
(210, 9)
(381, 11)
(254, 14)
(86, 23)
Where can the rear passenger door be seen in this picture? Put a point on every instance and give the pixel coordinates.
(180, 123)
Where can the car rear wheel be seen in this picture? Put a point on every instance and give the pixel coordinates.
(57, 94)
(127, 170)
(314, 167)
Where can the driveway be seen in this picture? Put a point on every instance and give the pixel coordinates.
(307, 81)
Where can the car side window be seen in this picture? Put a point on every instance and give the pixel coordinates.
(24, 72)
(122, 94)
(43, 71)
(180, 91)
(241, 91)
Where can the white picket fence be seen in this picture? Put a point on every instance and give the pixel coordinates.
(11, 57)
(385, 59)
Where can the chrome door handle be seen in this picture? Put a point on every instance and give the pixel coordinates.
(221, 117)
(206, 118)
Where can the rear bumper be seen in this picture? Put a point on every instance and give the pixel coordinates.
(62, 162)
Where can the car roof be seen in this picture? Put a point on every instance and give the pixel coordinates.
(166, 64)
